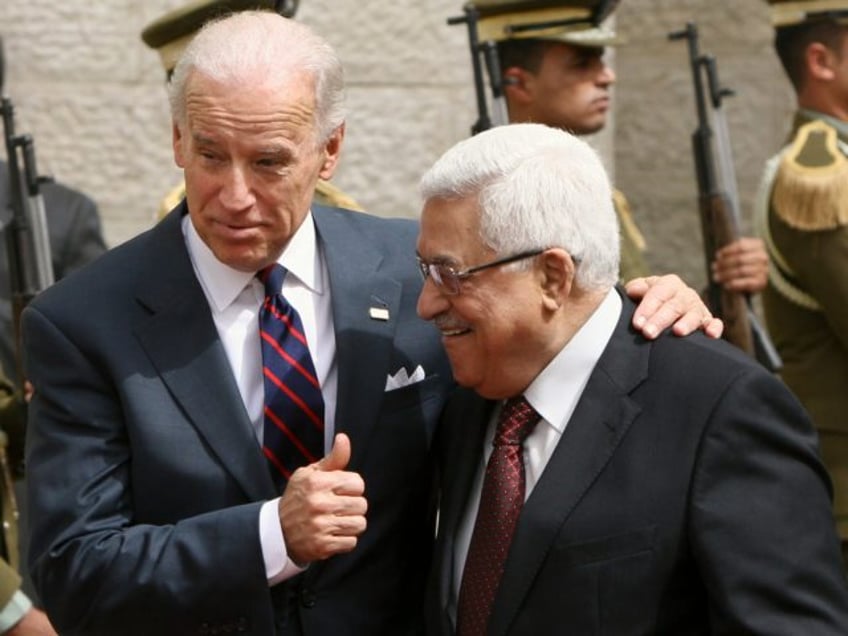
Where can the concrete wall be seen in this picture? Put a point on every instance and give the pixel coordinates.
(92, 94)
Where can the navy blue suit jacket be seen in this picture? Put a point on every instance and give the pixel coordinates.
(146, 478)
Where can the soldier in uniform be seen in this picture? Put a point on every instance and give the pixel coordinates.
(803, 216)
(557, 76)
(170, 34)
(18, 617)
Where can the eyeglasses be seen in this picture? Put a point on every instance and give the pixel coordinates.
(448, 279)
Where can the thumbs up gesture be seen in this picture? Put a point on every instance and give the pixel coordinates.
(322, 511)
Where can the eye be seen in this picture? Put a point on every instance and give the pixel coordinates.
(268, 162)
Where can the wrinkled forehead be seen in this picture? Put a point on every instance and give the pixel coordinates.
(450, 231)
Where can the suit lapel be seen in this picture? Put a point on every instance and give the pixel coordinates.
(179, 336)
(364, 343)
(599, 423)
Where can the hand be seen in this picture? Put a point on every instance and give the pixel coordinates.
(742, 266)
(34, 623)
(666, 301)
(322, 511)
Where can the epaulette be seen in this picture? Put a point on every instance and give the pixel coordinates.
(170, 200)
(811, 186)
(625, 220)
(328, 194)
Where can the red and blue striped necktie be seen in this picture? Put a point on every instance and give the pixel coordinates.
(294, 407)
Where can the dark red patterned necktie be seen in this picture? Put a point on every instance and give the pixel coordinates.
(501, 501)
(293, 430)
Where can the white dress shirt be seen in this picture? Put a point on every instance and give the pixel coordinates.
(234, 299)
(554, 394)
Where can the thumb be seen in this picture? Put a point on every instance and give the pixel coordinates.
(339, 455)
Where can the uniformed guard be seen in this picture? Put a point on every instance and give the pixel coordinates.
(170, 34)
(533, 51)
(14, 604)
(802, 211)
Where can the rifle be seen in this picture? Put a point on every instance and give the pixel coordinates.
(719, 202)
(286, 8)
(27, 242)
(483, 53)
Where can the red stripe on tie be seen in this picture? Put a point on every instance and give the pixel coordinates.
(273, 459)
(294, 398)
(292, 437)
(285, 320)
(288, 358)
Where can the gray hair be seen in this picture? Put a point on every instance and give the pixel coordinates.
(537, 187)
(262, 42)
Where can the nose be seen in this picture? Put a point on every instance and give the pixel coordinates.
(431, 301)
(606, 76)
(236, 192)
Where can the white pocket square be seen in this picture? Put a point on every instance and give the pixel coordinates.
(402, 378)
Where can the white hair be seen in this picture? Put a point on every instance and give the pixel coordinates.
(262, 44)
(537, 187)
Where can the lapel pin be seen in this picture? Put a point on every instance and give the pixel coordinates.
(379, 313)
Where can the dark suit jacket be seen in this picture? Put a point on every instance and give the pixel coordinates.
(73, 227)
(146, 475)
(685, 497)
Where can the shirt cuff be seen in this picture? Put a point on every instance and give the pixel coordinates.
(14, 611)
(278, 565)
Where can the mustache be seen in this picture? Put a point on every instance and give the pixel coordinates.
(446, 322)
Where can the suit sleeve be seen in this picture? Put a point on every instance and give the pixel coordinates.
(760, 520)
(96, 568)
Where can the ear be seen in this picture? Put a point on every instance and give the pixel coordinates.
(332, 152)
(518, 85)
(556, 269)
(820, 61)
(177, 141)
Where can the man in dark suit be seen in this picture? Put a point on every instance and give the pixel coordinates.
(654, 487)
(154, 509)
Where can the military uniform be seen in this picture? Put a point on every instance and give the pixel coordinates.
(802, 214)
(803, 217)
(170, 34)
(11, 419)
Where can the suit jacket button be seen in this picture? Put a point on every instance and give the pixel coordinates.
(307, 598)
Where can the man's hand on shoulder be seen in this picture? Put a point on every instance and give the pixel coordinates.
(666, 301)
(322, 511)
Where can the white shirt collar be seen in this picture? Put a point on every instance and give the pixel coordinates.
(567, 374)
(223, 283)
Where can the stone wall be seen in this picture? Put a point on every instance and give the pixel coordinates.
(92, 94)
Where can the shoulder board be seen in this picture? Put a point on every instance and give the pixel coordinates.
(811, 185)
(625, 219)
(328, 194)
(171, 200)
